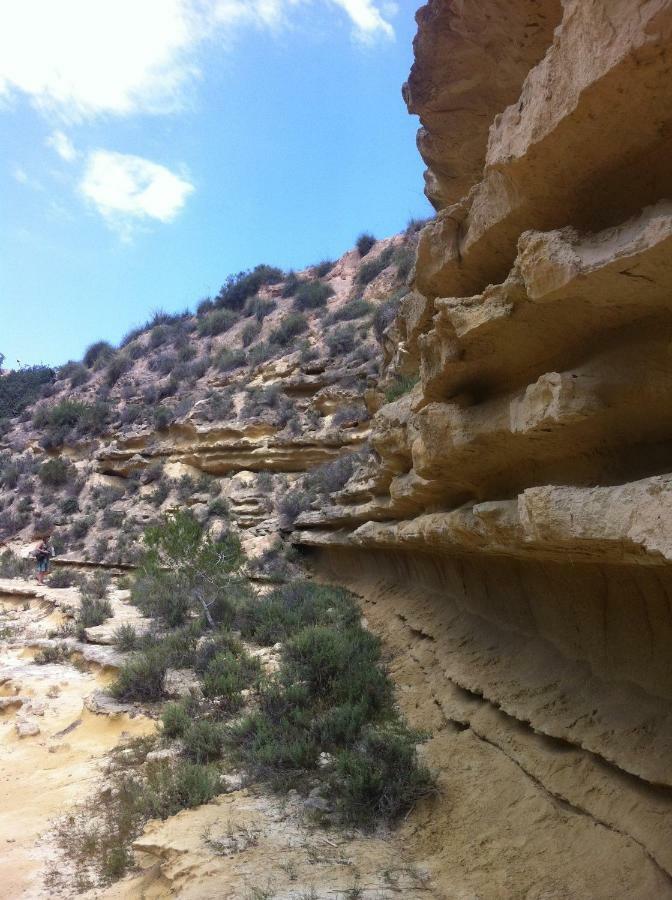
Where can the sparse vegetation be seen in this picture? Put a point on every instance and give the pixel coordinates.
(238, 288)
(401, 385)
(101, 351)
(217, 322)
(22, 387)
(372, 269)
(55, 472)
(290, 327)
(311, 295)
(364, 243)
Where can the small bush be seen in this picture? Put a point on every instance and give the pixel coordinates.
(126, 638)
(290, 327)
(384, 316)
(370, 270)
(312, 295)
(227, 674)
(292, 504)
(113, 518)
(203, 741)
(401, 385)
(22, 387)
(101, 351)
(286, 610)
(355, 309)
(228, 360)
(142, 678)
(323, 268)
(55, 472)
(292, 281)
(260, 353)
(217, 322)
(250, 333)
(176, 719)
(381, 778)
(259, 308)
(61, 578)
(341, 340)
(96, 585)
(118, 366)
(364, 243)
(93, 612)
(238, 288)
(54, 653)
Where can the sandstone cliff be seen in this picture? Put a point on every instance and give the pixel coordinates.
(516, 515)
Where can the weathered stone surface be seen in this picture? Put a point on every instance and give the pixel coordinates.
(516, 517)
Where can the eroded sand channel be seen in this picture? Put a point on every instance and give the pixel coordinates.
(54, 764)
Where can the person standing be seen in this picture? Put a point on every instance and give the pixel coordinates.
(43, 554)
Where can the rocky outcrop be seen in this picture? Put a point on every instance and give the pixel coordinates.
(518, 505)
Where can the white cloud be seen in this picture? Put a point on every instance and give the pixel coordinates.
(80, 58)
(61, 144)
(20, 175)
(128, 190)
(367, 18)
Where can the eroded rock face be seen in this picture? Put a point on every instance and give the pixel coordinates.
(520, 498)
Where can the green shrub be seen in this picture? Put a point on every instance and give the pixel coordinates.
(176, 719)
(292, 504)
(292, 281)
(259, 308)
(340, 665)
(62, 578)
(219, 508)
(404, 259)
(341, 340)
(200, 572)
(286, 610)
(250, 333)
(238, 288)
(126, 638)
(203, 741)
(364, 243)
(71, 419)
(381, 778)
(260, 353)
(226, 675)
(401, 385)
(96, 585)
(95, 353)
(355, 309)
(13, 566)
(55, 472)
(117, 366)
(370, 270)
(54, 653)
(290, 327)
(93, 612)
(228, 360)
(22, 387)
(323, 268)
(384, 316)
(312, 295)
(142, 678)
(113, 518)
(217, 322)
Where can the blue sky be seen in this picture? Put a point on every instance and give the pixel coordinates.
(151, 147)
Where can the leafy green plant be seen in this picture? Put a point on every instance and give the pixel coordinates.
(21, 388)
(142, 678)
(238, 288)
(185, 569)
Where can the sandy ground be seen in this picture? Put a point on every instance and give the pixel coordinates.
(43, 775)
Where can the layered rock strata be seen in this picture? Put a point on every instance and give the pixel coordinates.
(523, 486)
